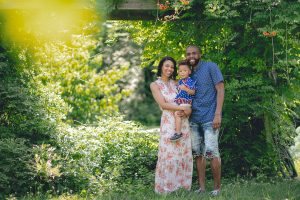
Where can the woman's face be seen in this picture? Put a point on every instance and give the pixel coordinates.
(167, 69)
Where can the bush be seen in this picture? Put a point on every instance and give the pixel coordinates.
(16, 173)
(107, 156)
(29, 115)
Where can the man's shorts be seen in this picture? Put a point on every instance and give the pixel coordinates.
(205, 140)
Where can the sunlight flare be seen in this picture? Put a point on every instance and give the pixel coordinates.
(25, 21)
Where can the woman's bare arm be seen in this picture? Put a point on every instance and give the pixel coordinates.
(161, 101)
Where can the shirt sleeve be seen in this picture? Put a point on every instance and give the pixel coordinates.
(192, 83)
(216, 74)
(189, 83)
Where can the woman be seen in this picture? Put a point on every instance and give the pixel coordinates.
(175, 164)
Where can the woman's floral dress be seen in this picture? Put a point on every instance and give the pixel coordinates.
(175, 163)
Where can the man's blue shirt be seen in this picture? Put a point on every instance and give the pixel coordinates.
(206, 76)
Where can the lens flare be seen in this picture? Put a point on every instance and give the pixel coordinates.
(29, 20)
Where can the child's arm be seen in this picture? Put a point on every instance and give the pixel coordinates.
(188, 90)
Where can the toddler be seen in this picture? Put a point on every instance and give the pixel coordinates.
(186, 87)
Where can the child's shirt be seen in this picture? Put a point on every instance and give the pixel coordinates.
(183, 97)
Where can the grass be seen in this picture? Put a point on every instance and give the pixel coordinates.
(231, 190)
(243, 190)
(237, 189)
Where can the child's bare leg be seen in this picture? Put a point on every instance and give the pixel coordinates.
(177, 123)
(177, 135)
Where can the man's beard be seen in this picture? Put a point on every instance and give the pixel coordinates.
(194, 63)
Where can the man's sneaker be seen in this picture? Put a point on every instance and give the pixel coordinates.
(200, 191)
(215, 192)
(176, 136)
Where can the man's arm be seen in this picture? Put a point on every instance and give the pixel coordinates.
(220, 100)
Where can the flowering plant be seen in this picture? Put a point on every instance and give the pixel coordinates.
(177, 6)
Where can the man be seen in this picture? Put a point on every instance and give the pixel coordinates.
(205, 120)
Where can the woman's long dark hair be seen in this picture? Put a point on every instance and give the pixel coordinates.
(161, 63)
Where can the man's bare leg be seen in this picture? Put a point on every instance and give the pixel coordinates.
(216, 171)
(201, 165)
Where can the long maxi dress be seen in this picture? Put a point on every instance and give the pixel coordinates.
(175, 162)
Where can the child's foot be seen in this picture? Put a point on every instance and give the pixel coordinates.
(176, 136)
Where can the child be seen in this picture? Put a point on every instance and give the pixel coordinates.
(184, 97)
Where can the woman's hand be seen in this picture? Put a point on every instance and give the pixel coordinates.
(185, 112)
(180, 113)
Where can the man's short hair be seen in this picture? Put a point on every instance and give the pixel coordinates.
(194, 46)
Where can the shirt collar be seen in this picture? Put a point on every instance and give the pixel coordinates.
(198, 66)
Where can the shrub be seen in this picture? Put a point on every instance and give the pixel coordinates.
(28, 116)
(16, 172)
(106, 156)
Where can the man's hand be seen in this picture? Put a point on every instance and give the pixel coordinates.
(216, 124)
(220, 99)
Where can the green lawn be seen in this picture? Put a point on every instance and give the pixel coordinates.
(231, 190)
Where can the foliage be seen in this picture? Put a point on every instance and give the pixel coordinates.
(48, 86)
(141, 102)
(173, 9)
(75, 70)
(43, 85)
(296, 149)
(28, 115)
(89, 156)
(26, 118)
(111, 154)
(15, 174)
(256, 45)
(47, 168)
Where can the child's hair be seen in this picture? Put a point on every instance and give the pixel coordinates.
(184, 62)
